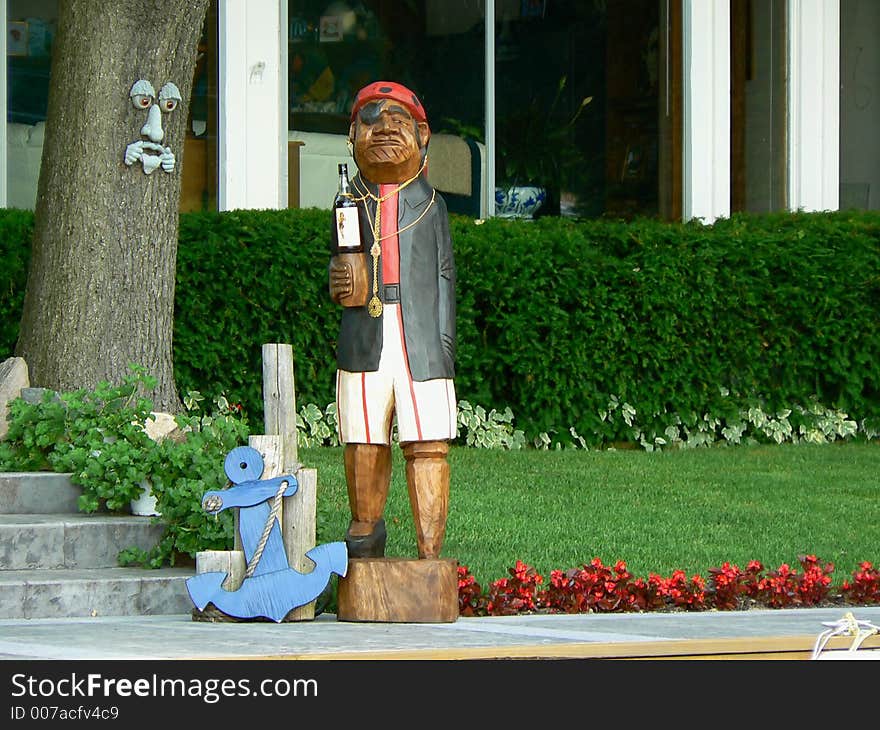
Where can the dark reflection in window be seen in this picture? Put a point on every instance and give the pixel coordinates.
(758, 105)
(859, 104)
(30, 33)
(337, 48)
(577, 88)
(434, 47)
(577, 104)
(198, 187)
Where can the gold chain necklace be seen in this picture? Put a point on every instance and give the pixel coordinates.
(374, 306)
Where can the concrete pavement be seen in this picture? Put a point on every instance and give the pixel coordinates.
(764, 634)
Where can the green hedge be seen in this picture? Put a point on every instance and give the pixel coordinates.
(555, 317)
(16, 232)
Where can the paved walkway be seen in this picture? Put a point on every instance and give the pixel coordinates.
(785, 633)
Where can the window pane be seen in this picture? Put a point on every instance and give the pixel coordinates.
(577, 89)
(758, 106)
(198, 186)
(30, 31)
(434, 47)
(859, 104)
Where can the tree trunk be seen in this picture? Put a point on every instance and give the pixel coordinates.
(100, 288)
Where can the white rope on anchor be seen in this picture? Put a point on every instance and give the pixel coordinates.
(273, 515)
(847, 626)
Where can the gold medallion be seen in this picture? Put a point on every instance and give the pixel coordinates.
(375, 306)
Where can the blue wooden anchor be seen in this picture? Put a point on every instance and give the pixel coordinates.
(271, 588)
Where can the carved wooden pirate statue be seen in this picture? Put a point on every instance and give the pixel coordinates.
(396, 347)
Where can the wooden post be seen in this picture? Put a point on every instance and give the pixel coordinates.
(231, 562)
(298, 532)
(279, 401)
(278, 449)
(279, 418)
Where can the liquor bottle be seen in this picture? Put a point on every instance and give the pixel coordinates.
(345, 212)
(350, 256)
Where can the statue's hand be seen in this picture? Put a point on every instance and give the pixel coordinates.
(134, 152)
(167, 158)
(341, 279)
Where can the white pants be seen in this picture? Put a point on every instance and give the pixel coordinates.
(367, 402)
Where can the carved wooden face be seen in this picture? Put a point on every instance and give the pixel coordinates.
(387, 142)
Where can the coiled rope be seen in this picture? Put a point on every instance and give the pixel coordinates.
(847, 626)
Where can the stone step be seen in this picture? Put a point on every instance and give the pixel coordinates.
(71, 541)
(43, 593)
(37, 492)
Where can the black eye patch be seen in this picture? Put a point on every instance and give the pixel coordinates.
(369, 112)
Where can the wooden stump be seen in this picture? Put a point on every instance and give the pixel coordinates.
(399, 590)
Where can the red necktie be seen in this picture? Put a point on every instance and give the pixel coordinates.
(388, 234)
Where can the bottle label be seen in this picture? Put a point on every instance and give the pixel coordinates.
(348, 232)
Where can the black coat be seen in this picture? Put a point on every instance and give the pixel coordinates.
(427, 287)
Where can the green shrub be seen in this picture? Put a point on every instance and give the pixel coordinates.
(98, 436)
(246, 278)
(556, 318)
(16, 232)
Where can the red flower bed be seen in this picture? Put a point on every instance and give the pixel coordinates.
(601, 589)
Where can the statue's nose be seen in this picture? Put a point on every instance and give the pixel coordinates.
(153, 127)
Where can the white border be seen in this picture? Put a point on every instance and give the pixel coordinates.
(814, 104)
(249, 113)
(706, 112)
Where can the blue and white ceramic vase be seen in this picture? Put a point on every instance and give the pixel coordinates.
(519, 201)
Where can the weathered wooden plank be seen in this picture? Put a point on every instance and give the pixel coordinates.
(270, 450)
(297, 513)
(746, 648)
(298, 532)
(279, 401)
(399, 590)
(269, 446)
(231, 562)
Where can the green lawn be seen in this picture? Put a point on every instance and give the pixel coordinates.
(689, 509)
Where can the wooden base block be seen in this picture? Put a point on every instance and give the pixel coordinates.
(399, 590)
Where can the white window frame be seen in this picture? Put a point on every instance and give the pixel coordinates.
(252, 108)
(706, 110)
(814, 105)
(252, 126)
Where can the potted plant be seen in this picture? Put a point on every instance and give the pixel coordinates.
(537, 154)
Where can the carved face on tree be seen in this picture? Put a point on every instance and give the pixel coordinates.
(388, 141)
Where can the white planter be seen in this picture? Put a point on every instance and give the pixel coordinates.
(145, 504)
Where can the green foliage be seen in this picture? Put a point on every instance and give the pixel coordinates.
(316, 427)
(16, 232)
(492, 430)
(477, 427)
(186, 468)
(98, 436)
(246, 278)
(556, 317)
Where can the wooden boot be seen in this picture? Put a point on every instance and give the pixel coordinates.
(427, 479)
(368, 478)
